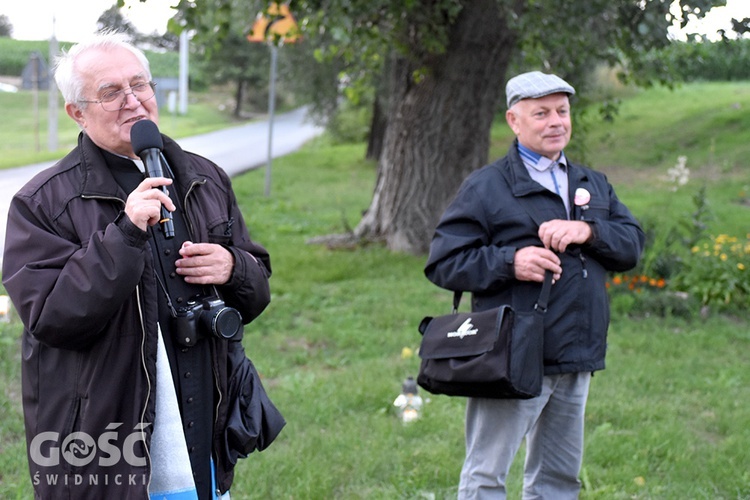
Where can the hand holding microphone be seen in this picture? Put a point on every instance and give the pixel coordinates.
(147, 144)
(144, 204)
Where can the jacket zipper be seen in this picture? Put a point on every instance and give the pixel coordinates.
(584, 271)
(99, 197)
(142, 425)
(185, 207)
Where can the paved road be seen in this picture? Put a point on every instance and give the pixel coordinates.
(236, 150)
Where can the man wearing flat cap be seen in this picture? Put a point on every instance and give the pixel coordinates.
(530, 212)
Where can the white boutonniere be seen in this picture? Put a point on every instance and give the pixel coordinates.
(582, 198)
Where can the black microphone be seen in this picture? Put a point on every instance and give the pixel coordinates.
(147, 143)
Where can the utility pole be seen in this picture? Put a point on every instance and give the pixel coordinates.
(183, 82)
(52, 94)
(35, 67)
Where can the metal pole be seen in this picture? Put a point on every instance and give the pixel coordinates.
(271, 106)
(35, 95)
(183, 82)
(52, 97)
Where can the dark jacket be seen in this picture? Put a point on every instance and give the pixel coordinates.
(474, 246)
(82, 278)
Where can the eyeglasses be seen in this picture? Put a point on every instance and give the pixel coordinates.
(115, 100)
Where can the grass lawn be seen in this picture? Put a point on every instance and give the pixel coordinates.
(668, 419)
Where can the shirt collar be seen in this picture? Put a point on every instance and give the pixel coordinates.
(538, 162)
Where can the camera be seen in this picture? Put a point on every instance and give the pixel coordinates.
(207, 316)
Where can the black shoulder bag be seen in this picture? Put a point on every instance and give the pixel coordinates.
(489, 354)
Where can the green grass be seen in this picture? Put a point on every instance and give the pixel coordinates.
(668, 419)
(706, 121)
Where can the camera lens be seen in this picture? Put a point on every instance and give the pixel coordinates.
(226, 322)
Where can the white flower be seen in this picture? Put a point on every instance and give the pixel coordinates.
(679, 174)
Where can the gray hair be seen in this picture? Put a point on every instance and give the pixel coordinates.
(68, 78)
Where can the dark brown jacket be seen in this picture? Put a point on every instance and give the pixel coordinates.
(81, 276)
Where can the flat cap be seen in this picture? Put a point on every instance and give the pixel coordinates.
(533, 85)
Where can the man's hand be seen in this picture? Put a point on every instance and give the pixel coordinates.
(205, 263)
(558, 234)
(530, 264)
(143, 206)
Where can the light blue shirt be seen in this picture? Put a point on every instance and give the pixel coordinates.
(551, 174)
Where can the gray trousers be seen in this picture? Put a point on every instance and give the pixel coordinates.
(553, 427)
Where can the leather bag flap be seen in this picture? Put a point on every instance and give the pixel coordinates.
(462, 334)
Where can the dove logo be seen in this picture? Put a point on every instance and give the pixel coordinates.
(464, 330)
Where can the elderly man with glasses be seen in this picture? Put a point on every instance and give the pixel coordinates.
(132, 385)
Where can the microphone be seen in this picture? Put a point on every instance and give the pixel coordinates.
(147, 143)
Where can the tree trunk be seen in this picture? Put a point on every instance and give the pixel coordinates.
(380, 105)
(438, 129)
(378, 126)
(239, 97)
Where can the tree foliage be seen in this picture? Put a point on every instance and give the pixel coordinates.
(6, 27)
(219, 30)
(112, 19)
(724, 60)
(438, 68)
(565, 37)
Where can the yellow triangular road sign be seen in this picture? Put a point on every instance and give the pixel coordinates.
(279, 23)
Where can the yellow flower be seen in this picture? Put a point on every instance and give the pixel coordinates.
(740, 266)
(407, 353)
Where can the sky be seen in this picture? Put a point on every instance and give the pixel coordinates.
(75, 19)
(717, 18)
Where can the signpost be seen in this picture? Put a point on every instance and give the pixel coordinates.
(275, 28)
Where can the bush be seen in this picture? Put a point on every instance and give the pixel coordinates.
(716, 273)
(683, 270)
(708, 61)
(669, 238)
(653, 303)
(350, 125)
(642, 296)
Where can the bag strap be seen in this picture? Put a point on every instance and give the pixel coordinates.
(456, 301)
(541, 303)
